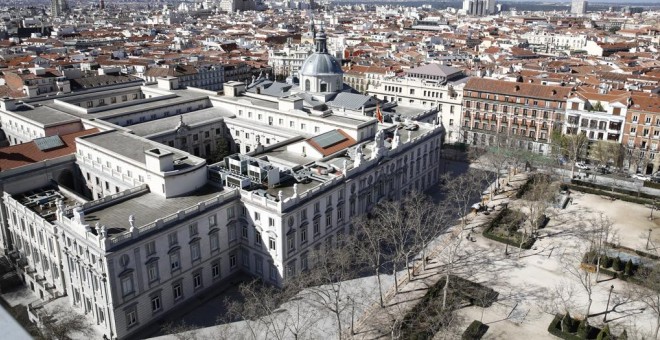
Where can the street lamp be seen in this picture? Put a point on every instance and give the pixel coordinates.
(608, 303)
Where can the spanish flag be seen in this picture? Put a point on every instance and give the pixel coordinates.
(379, 115)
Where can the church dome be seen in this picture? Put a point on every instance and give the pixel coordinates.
(320, 62)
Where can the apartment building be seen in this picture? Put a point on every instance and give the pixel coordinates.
(641, 133)
(524, 114)
(599, 116)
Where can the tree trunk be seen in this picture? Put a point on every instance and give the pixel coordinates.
(380, 288)
(396, 282)
(657, 326)
(444, 291)
(586, 315)
(424, 256)
(598, 267)
(338, 323)
(408, 267)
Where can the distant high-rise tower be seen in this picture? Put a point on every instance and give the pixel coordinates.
(102, 4)
(579, 7)
(479, 7)
(58, 7)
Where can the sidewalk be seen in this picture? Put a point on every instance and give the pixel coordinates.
(377, 321)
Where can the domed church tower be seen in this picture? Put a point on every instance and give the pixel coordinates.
(321, 72)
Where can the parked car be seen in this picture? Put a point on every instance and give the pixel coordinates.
(603, 170)
(581, 166)
(641, 177)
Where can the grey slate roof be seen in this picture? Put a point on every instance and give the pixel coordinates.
(434, 70)
(271, 88)
(351, 101)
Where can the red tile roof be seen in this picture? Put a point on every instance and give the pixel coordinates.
(518, 89)
(28, 153)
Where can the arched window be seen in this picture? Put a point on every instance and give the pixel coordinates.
(307, 85)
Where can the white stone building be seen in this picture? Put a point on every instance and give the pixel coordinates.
(429, 87)
(167, 227)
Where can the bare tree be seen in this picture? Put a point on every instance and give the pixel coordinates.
(580, 273)
(323, 283)
(571, 146)
(65, 324)
(649, 293)
(258, 309)
(181, 331)
(461, 192)
(578, 260)
(370, 244)
(536, 200)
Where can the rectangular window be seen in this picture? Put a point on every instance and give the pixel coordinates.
(303, 235)
(175, 264)
(215, 270)
(197, 280)
(257, 216)
(131, 317)
(215, 241)
(152, 271)
(246, 259)
(244, 232)
(177, 291)
(172, 239)
(192, 229)
(212, 221)
(303, 215)
(258, 265)
(127, 285)
(317, 227)
(291, 244)
(155, 304)
(230, 213)
(328, 221)
(271, 222)
(271, 244)
(232, 261)
(273, 272)
(257, 238)
(195, 253)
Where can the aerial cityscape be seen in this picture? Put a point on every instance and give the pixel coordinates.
(343, 169)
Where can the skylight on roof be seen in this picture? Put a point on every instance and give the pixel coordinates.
(329, 139)
(48, 143)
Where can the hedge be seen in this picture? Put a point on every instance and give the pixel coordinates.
(653, 185)
(506, 240)
(555, 329)
(614, 190)
(477, 294)
(638, 252)
(619, 196)
(475, 331)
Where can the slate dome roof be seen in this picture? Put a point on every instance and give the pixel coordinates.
(320, 62)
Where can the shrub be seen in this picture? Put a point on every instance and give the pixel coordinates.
(628, 270)
(604, 333)
(583, 329)
(567, 324)
(623, 336)
(617, 265)
(605, 261)
(475, 331)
